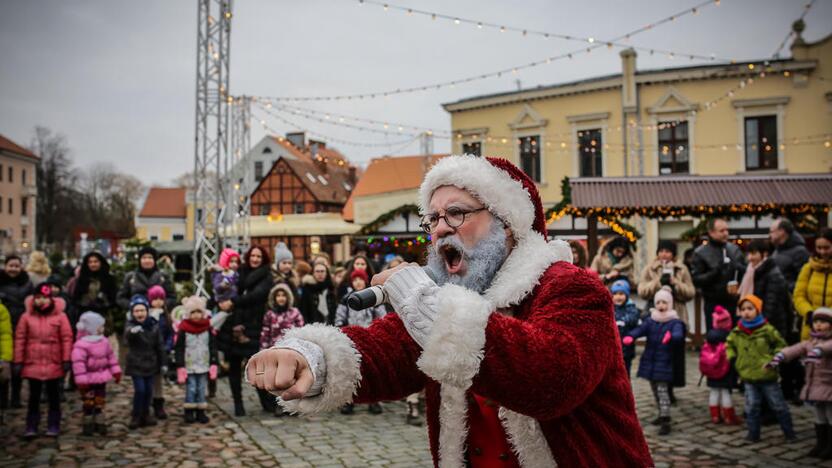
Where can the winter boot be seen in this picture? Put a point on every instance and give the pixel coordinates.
(821, 436)
(664, 426)
(239, 409)
(148, 419)
(100, 424)
(53, 424)
(349, 408)
(32, 421)
(201, 417)
(159, 408)
(826, 452)
(87, 425)
(714, 414)
(212, 388)
(375, 408)
(190, 417)
(413, 417)
(730, 417)
(135, 420)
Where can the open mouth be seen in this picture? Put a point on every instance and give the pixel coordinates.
(452, 257)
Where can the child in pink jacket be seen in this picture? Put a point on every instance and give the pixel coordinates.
(94, 364)
(42, 346)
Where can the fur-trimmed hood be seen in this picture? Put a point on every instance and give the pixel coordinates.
(285, 288)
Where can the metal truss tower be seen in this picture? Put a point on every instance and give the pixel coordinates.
(211, 140)
(239, 194)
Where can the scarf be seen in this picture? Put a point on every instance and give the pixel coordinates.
(92, 338)
(195, 327)
(820, 265)
(747, 283)
(819, 335)
(748, 326)
(662, 317)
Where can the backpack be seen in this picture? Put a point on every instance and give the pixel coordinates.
(713, 361)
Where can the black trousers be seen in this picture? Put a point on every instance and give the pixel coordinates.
(267, 400)
(793, 378)
(53, 394)
(16, 383)
(4, 395)
(235, 376)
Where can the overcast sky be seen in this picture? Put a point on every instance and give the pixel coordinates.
(117, 77)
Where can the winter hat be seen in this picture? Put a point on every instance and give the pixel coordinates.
(360, 274)
(43, 289)
(138, 299)
(54, 280)
(226, 255)
(617, 241)
(668, 245)
(505, 190)
(286, 289)
(281, 253)
(148, 250)
(722, 319)
(156, 292)
(622, 286)
(822, 313)
(664, 294)
(193, 303)
(90, 322)
(754, 300)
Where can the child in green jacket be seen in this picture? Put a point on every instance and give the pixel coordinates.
(6, 340)
(753, 344)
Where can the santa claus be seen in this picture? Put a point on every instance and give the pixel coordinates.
(516, 348)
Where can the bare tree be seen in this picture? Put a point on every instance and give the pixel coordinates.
(57, 204)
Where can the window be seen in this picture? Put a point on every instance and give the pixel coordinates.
(199, 214)
(1, 204)
(474, 148)
(761, 143)
(258, 171)
(674, 156)
(24, 206)
(178, 237)
(23, 176)
(1, 173)
(589, 150)
(23, 232)
(154, 238)
(267, 150)
(298, 208)
(11, 205)
(530, 156)
(265, 208)
(11, 174)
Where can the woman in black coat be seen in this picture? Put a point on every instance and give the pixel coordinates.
(239, 336)
(318, 298)
(94, 288)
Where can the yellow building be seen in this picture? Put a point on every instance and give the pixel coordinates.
(754, 118)
(165, 216)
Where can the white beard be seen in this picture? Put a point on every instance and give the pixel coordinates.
(483, 261)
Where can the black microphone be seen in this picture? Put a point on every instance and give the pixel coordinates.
(375, 295)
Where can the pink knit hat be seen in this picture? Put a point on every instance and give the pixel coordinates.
(664, 294)
(722, 319)
(156, 292)
(226, 255)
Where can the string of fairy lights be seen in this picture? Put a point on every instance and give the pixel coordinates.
(790, 34)
(592, 44)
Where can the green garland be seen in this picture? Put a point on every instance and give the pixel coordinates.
(379, 222)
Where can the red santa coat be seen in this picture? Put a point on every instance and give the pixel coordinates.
(541, 343)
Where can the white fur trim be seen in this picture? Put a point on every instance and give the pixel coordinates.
(454, 348)
(522, 270)
(343, 369)
(526, 437)
(453, 426)
(502, 195)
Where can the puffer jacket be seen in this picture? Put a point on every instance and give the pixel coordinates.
(6, 336)
(43, 341)
(812, 290)
(771, 287)
(683, 290)
(146, 351)
(711, 274)
(139, 281)
(818, 373)
(247, 316)
(753, 349)
(13, 292)
(93, 361)
(627, 317)
(657, 360)
(790, 258)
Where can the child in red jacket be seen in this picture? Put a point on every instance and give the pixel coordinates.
(42, 346)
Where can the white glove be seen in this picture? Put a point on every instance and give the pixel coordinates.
(136, 329)
(413, 296)
(619, 323)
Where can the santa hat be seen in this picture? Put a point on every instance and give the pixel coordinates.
(664, 294)
(225, 257)
(754, 300)
(360, 274)
(505, 190)
(722, 319)
(193, 303)
(156, 292)
(90, 322)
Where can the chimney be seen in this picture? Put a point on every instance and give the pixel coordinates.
(799, 48)
(353, 176)
(629, 96)
(297, 138)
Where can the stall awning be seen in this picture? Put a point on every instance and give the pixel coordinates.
(312, 224)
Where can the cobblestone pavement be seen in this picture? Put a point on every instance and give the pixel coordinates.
(364, 439)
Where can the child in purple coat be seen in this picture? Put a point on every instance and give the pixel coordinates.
(224, 281)
(93, 364)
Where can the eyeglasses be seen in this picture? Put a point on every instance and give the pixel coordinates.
(454, 217)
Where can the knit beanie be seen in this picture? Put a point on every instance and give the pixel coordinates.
(90, 322)
(622, 286)
(360, 274)
(664, 294)
(193, 303)
(754, 300)
(148, 250)
(668, 245)
(822, 313)
(156, 292)
(281, 253)
(138, 299)
(722, 319)
(225, 257)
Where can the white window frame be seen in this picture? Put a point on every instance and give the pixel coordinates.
(537, 127)
(690, 118)
(775, 106)
(471, 135)
(579, 123)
